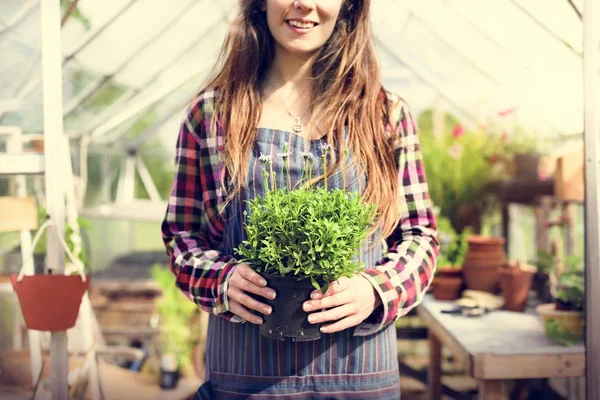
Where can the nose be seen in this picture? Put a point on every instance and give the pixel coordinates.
(304, 5)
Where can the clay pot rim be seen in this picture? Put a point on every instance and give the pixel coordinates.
(549, 309)
(486, 240)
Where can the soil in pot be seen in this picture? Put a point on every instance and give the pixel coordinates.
(515, 284)
(288, 319)
(446, 288)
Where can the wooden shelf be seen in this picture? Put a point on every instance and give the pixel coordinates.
(21, 164)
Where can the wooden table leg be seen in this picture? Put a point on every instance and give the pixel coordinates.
(491, 389)
(434, 377)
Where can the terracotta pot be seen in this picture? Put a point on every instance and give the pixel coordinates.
(570, 320)
(448, 272)
(479, 243)
(50, 302)
(485, 279)
(515, 284)
(446, 288)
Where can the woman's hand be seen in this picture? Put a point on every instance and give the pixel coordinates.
(242, 281)
(349, 301)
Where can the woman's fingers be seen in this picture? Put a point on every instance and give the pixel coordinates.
(247, 301)
(339, 298)
(345, 323)
(243, 312)
(246, 280)
(334, 314)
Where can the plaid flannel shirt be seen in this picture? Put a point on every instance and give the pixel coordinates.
(192, 229)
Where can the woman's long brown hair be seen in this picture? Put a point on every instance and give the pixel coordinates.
(347, 93)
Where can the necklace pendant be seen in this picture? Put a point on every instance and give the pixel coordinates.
(297, 128)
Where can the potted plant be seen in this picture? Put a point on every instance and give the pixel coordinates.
(563, 320)
(448, 282)
(50, 302)
(515, 281)
(301, 239)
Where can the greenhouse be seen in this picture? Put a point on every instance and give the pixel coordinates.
(505, 95)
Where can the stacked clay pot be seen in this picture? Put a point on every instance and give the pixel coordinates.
(482, 262)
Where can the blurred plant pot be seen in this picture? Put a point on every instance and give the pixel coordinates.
(50, 302)
(569, 320)
(447, 288)
(482, 278)
(527, 166)
(515, 283)
(287, 318)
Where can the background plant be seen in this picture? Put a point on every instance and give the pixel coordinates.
(306, 232)
(177, 318)
(460, 167)
(453, 246)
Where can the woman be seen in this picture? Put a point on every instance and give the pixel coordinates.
(302, 73)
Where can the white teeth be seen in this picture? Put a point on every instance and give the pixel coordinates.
(303, 25)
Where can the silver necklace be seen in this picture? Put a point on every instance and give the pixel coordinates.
(297, 128)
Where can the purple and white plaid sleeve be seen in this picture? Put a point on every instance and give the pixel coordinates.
(193, 228)
(404, 275)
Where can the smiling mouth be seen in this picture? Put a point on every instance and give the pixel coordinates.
(301, 24)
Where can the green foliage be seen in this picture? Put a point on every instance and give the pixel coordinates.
(571, 289)
(453, 246)
(460, 167)
(76, 13)
(176, 317)
(558, 334)
(306, 232)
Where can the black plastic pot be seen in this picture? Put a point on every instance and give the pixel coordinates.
(288, 319)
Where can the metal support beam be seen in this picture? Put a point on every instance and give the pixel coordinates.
(147, 180)
(93, 88)
(477, 28)
(591, 61)
(402, 58)
(134, 96)
(19, 16)
(545, 28)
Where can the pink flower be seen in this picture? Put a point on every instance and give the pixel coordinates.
(504, 136)
(493, 159)
(458, 131)
(504, 113)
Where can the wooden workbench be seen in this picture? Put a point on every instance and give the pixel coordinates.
(498, 346)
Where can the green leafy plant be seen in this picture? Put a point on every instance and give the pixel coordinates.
(460, 167)
(571, 290)
(305, 232)
(453, 246)
(176, 318)
(556, 332)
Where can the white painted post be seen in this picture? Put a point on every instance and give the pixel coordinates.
(53, 132)
(591, 87)
(15, 146)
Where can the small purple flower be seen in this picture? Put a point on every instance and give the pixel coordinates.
(307, 156)
(285, 154)
(265, 158)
